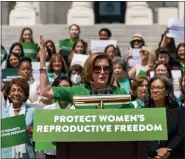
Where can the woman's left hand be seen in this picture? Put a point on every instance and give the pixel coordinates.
(30, 130)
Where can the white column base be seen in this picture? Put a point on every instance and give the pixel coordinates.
(81, 13)
(22, 15)
(138, 13)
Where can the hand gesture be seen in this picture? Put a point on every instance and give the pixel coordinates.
(42, 53)
(164, 152)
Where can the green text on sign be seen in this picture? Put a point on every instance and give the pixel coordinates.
(13, 131)
(100, 125)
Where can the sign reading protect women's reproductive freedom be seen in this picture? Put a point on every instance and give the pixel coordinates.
(13, 131)
(100, 125)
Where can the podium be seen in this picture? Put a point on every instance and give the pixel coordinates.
(103, 131)
(102, 150)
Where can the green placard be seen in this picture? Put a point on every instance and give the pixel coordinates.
(65, 46)
(100, 125)
(30, 50)
(13, 131)
(8, 74)
(3, 54)
(44, 146)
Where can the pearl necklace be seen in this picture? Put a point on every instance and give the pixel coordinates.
(17, 109)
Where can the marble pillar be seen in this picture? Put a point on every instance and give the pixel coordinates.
(81, 13)
(23, 14)
(181, 10)
(4, 13)
(138, 13)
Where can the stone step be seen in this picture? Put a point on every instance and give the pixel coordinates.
(120, 32)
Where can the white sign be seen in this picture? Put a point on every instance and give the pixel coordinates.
(176, 28)
(79, 59)
(100, 45)
(136, 58)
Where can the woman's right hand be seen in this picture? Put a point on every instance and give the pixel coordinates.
(42, 53)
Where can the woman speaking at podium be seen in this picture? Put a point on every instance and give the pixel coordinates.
(97, 76)
(98, 71)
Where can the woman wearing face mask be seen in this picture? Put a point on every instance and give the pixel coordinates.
(139, 91)
(120, 76)
(79, 47)
(98, 73)
(75, 74)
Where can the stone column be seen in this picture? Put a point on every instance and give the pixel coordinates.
(138, 13)
(36, 6)
(23, 14)
(4, 13)
(181, 9)
(81, 13)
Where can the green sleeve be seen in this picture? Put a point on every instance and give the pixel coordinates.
(121, 91)
(63, 93)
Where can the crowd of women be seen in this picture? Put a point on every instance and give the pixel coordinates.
(107, 72)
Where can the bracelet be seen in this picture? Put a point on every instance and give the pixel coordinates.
(43, 68)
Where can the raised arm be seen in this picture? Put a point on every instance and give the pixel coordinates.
(45, 87)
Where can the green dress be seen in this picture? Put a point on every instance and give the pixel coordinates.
(67, 94)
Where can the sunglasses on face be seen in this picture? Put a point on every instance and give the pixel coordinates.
(138, 41)
(98, 69)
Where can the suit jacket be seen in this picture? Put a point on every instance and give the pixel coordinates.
(29, 114)
(176, 134)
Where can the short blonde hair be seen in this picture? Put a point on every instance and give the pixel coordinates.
(88, 67)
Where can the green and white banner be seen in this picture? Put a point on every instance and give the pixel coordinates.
(100, 125)
(9, 74)
(13, 131)
(30, 50)
(65, 46)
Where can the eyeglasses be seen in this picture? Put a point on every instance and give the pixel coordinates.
(158, 88)
(98, 69)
